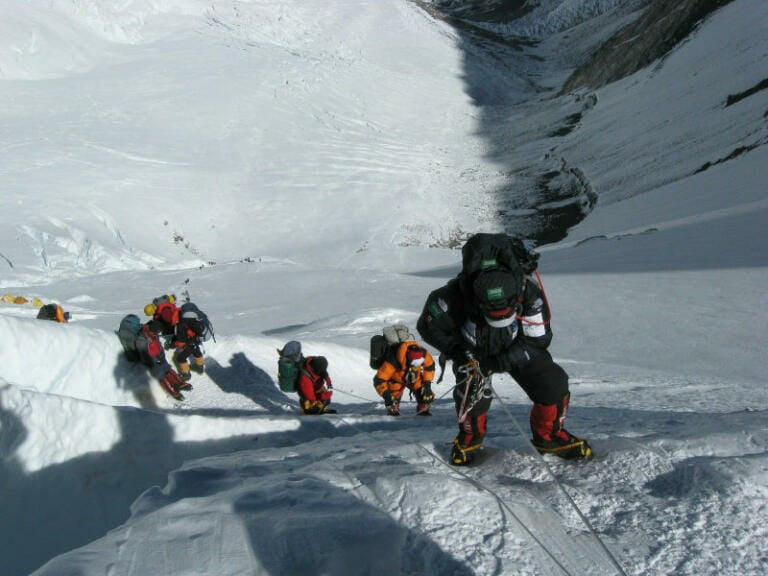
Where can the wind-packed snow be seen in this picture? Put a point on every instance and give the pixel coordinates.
(307, 170)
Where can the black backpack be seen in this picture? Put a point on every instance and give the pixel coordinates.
(487, 251)
(381, 344)
(190, 314)
(289, 366)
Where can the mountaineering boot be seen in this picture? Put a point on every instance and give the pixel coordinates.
(198, 364)
(186, 386)
(565, 445)
(313, 407)
(171, 383)
(549, 435)
(462, 455)
(423, 410)
(184, 372)
(391, 403)
(327, 407)
(178, 382)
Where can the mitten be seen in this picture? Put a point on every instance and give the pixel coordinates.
(516, 355)
(426, 393)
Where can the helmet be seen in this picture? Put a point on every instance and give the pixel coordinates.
(495, 292)
(319, 365)
(191, 314)
(150, 309)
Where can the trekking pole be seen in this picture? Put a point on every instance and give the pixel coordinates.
(560, 486)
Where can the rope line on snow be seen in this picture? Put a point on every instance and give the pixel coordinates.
(502, 504)
(368, 400)
(560, 485)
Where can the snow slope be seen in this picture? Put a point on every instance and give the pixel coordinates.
(304, 171)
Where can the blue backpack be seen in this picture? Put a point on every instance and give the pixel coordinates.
(127, 333)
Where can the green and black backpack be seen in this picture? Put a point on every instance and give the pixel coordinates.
(289, 365)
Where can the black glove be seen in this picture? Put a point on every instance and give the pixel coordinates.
(388, 400)
(516, 355)
(460, 355)
(425, 393)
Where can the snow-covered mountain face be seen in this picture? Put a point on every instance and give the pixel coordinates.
(205, 163)
(541, 120)
(307, 170)
(246, 160)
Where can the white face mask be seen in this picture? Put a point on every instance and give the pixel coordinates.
(417, 362)
(501, 323)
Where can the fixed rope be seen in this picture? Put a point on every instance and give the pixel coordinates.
(561, 487)
(502, 504)
(335, 389)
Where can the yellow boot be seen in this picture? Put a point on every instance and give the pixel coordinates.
(198, 365)
(184, 372)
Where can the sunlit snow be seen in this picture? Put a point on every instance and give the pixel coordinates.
(307, 170)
